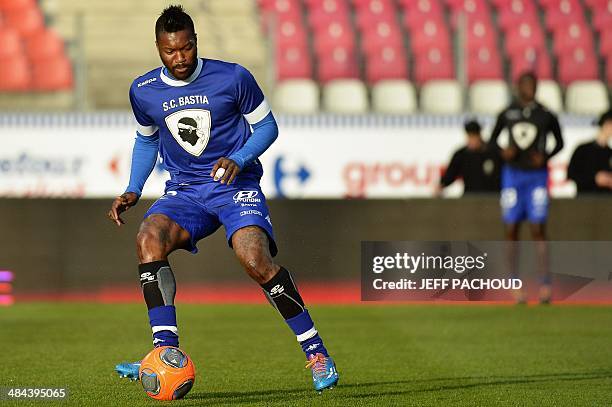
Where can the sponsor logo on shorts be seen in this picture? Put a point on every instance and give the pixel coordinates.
(268, 219)
(246, 197)
(251, 212)
(147, 277)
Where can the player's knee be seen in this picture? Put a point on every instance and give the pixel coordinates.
(149, 245)
(260, 268)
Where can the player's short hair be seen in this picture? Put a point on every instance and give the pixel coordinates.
(173, 19)
(472, 126)
(528, 75)
(606, 116)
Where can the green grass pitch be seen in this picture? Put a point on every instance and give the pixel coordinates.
(386, 354)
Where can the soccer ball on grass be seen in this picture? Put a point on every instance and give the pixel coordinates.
(167, 373)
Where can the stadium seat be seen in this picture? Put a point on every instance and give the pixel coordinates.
(587, 97)
(15, 75)
(602, 19)
(480, 33)
(436, 64)
(52, 75)
(291, 33)
(523, 36)
(484, 63)
(334, 35)
(549, 94)
(580, 64)
(345, 96)
(605, 43)
(430, 35)
(531, 59)
(43, 45)
(442, 97)
(11, 43)
(572, 36)
(340, 63)
(488, 96)
(419, 11)
(394, 97)
(293, 62)
(380, 35)
(298, 96)
(14, 5)
(26, 21)
(388, 63)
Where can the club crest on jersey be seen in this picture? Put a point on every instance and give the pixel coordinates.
(524, 134)
(191, 129)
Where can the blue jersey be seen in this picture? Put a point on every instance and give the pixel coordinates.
(201, 119)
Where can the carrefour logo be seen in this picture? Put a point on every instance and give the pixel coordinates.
(299, 175)
(246, 196)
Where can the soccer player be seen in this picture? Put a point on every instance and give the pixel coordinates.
(197, 113)
(524, 194)
(591, 164)
(478, 165)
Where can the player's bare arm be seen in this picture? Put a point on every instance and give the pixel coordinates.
(121, 204)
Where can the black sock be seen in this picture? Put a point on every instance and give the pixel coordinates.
(283, 294)
(158, 285)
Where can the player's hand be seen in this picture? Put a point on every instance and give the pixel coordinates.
(509, 153)
(121, 204)
(225, 170)
(603, 179)
(537, 159)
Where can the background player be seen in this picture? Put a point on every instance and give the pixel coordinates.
(524, 194)
(591, 164)
(478, 165)
(197, 114)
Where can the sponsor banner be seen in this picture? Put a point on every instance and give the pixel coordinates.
(373, 159)
(486, 271)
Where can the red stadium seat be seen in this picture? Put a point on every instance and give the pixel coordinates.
(435, 64)
(480, 33)
(13, 5)
(53, 75)
(387, 63)
(11, 43)
(571, 36)
(293, 62)
(380, 35)
(373, 5)
(581, 64)
(25, 21)
(291, 33)
(531, 59)
(366, 20)
(44, 45)
(509, 21)
(523, 36)
(422, 10)
(378, 10)
(280, 11)
(602, 19)
(335, 35)
(484, 63)
(15, 75)
(605, 44)
(328, 6)
(340, 63)
(431, 35)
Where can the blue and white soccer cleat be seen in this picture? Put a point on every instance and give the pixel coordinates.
(128, 370)
(324, 373)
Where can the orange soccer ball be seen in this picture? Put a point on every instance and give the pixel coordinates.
(167, 373)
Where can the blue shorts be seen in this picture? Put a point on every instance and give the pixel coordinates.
(201, 209)
(524, 195)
